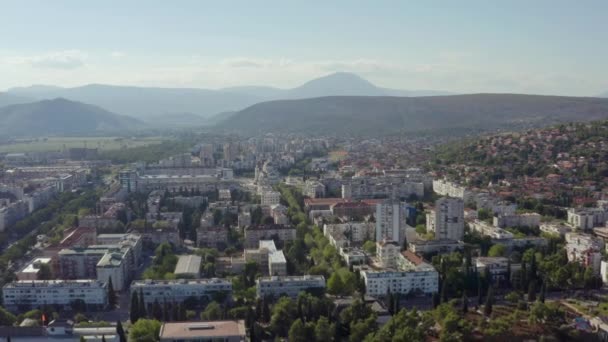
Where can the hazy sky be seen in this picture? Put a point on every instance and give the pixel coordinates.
(545, 47)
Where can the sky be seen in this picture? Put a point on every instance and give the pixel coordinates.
(542, 47)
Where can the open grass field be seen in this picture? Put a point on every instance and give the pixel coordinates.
(59, 143)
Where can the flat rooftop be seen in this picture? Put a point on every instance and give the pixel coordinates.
(197, 330)
(188, 264)
(34, 266)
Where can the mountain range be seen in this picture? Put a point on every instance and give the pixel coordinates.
(61, 117)
(377, 115)
(150, 104)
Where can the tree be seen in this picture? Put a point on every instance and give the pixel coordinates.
(283, 314)
(334, 284)
(543, 289)
(120, 331)
(143, 311)
(297, 332)
(145, 330)
(112, 299)
(7, 318)
(45, 272)
(487, 308)
(465, 304)
(498, 250)
(532, 291)
(436, 300)
(103, 338)
(212, 312)
(134, 308)
(323, 330)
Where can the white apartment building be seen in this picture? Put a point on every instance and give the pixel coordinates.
(27, 294)
(585, 249)
(387, 253)
(604, 271)
(179, 290)
(412, 275)
(268, 258)
(517, 220)
(487, 229)
(114, 266)
(447, 219)
(31, 270)
(381, 187)
(587, 218)
(555, 228)
(253, 234)
(389, 220)
(444, 187)
(497, 266)
(353, 255)
(343, 234)
(289, 286)
(270, 197)
(314, 189)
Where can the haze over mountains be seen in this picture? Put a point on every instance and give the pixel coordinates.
(340, 103)
(61, 117)
(457, 114)
(151, 103)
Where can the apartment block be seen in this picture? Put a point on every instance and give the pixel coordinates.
(179, 290)
(447, 219)
(268, 258)
(289, 286)
(280, 232)
(27, 294)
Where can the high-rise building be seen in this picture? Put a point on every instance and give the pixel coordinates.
(389, 220)
(447, 219)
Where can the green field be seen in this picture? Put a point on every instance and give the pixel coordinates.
(59, 143)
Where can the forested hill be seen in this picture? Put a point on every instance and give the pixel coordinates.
(374, 115)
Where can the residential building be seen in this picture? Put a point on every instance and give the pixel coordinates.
(345, 234)
(179, 290)
(447, 219)
(290, 286)
(58, 330)
(585, 249)
(381, 187)
(31, 270)
(517, 220)
(27, 294)
(497, 266)
(225, 331)
(313, 189)
(555, 228)
(113, 265)
(389, 220)
(188, 266)
(587, 218)
(277, 232)
(212, 237)
(435, 246)
(412, 275)
(446, 188)
(268, 258)
(353, 256)
(270, 197)
(487, 229)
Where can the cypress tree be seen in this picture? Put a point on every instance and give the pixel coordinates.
(487, 308)
(479, 290)
(111, 293)
(436, 300)
(166, 312)
(121, 332)
(103, 338)
(465, 304)
(543, 289)
(443, 296)
(143, 311)
(532, 291)
(157, 311)
(134, 309)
